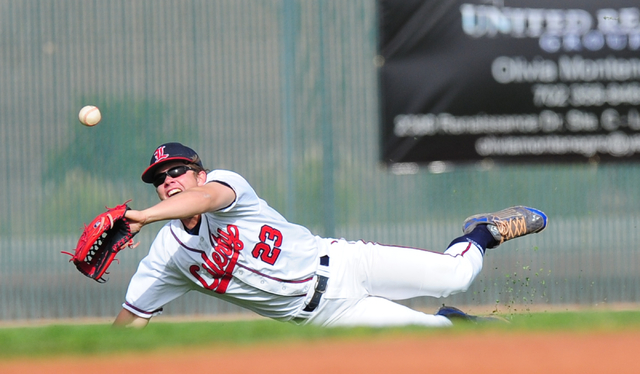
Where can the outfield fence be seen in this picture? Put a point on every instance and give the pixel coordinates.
(285, 93)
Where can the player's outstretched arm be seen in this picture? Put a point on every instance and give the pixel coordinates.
(127, 319)
(197, 200)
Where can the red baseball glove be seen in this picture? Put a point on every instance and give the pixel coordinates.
(100, 242)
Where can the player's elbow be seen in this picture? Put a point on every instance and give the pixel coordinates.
(138, 323)
(128, 319)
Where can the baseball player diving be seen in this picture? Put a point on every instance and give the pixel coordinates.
(222, 240)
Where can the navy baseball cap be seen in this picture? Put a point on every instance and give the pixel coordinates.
(170, 152)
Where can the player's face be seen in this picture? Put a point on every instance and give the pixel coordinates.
(181, 180)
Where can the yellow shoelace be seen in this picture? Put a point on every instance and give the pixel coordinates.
(512, 228)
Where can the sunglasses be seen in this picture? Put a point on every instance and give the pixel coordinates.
(174, 172)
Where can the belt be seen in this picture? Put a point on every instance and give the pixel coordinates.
(319, 289)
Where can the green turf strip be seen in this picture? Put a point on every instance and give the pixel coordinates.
(57, 340)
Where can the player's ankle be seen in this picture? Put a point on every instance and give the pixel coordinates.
(480, 236)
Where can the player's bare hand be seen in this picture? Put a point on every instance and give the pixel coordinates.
(136, 218)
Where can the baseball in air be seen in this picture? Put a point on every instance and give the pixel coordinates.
(90, 115)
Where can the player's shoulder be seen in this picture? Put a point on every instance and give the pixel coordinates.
(246, 196)
(221, 174)
(165, 231)
(165, 242)
(166, 226)
(228, 177)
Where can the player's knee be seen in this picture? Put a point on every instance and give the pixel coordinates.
(462, 279)
(464, 284)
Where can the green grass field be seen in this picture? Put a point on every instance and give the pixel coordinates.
(57, 340)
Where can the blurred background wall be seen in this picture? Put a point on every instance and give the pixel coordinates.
(284, 92)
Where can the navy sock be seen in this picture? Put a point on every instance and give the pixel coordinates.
(480, 235)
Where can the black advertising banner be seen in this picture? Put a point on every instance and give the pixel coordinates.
(510, 81)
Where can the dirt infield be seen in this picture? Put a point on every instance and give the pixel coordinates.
(469, 352)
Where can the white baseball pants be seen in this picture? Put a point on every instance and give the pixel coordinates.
(365, 278)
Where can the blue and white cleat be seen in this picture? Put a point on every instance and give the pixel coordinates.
(455, 314)
(508, 223)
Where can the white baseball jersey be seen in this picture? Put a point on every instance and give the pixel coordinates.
(249, 255)
(246, 253)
